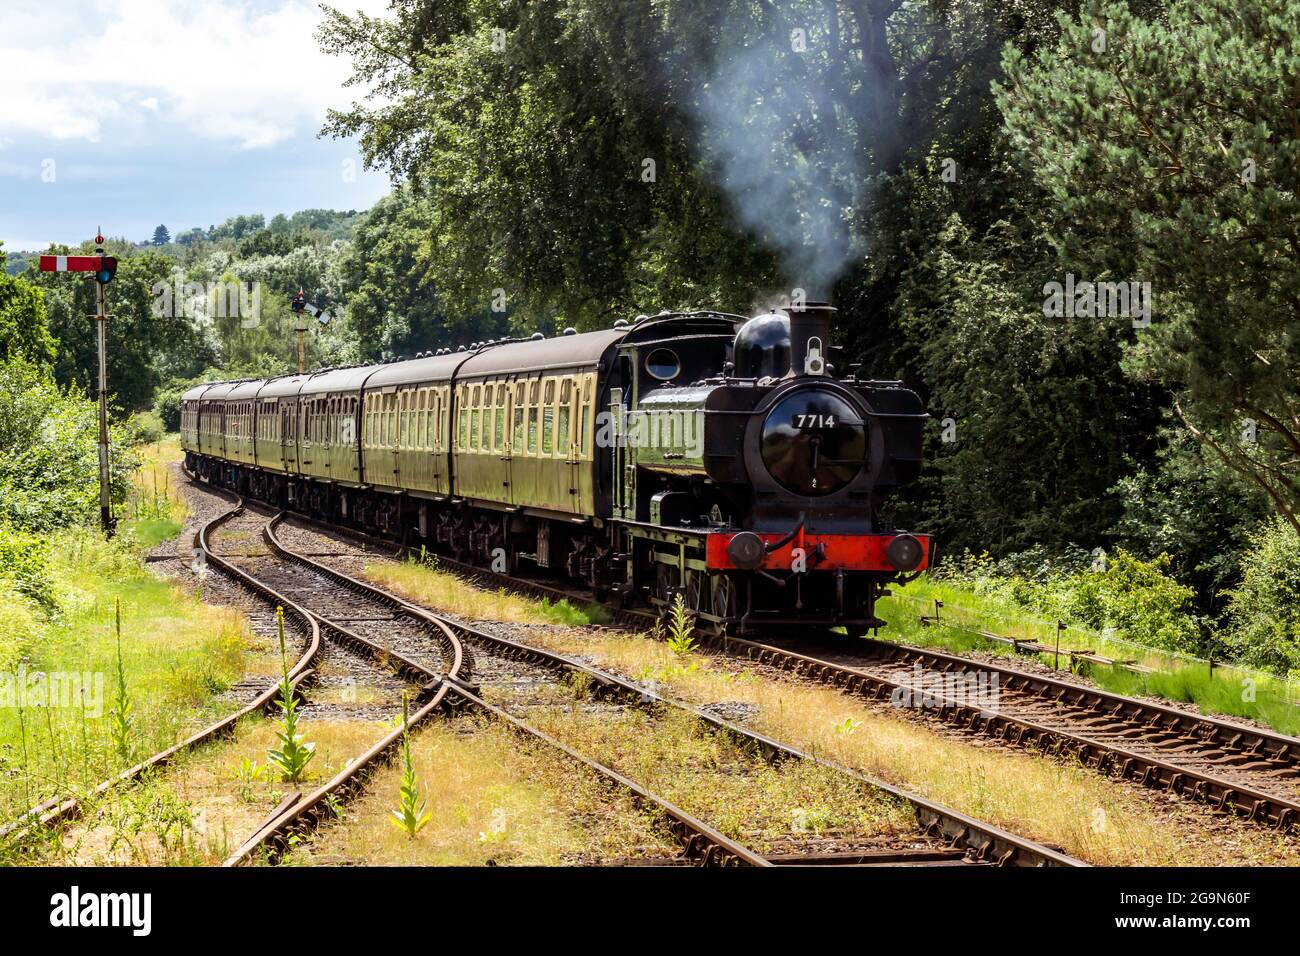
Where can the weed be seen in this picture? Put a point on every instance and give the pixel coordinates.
(248, 773)
(411, 815)
(681, 628)
(292, 756)
(121, 718)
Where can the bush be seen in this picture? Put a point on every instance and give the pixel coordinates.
(49, 463)
(25, 566)
(144, 428)
(1264, 610)
(1139, 600)
(1136, 598)
(167, 406)
(20, 626)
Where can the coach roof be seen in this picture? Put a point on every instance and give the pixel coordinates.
(195, 393)
(562, 351)
(434, 368)
(286, 386)
(245, 390)
(336, 380)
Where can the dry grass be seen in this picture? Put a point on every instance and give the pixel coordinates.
(1056, 803)
(494, 799)
(153, 486)
(678, 758)
(443, 591)
(201, 808)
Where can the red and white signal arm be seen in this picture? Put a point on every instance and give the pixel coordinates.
(70, 263)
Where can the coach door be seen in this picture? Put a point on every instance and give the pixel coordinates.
(288, 437)
(566, 444)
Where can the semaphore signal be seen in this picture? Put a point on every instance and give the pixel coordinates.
(301, 307)
(104, 268)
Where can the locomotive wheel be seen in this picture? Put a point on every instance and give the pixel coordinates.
(724, 600)
(664, 587)
(459, 539)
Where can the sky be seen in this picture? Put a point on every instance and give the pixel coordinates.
(124, 114)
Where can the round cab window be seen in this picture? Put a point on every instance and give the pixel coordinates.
(663, 364)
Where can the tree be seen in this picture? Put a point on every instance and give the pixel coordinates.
(23, 332)
(395, 305)
(161, 236)
(145, 344)
(1032, 415)
(1172, 149)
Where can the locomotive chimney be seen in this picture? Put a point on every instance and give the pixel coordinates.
(810, 332)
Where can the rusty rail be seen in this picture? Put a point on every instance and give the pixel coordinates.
(55, 810)
(980, 841)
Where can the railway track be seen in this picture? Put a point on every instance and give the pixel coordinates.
(495, 663)
(61, 811)
(1249, 771)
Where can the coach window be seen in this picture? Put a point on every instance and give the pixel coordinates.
(466, 412)
(430, 423)
(584, 419)
(421, 420)
(439, 411)
(548, 416)
(566, 412)
(499, 428)
(475, 415)
(403, 418)
(534, 409)
(517, 439)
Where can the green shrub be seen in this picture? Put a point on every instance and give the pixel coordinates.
(1139, 600)
(21, 625)
(49, 462)
(144, 428)
(167, 406)
(25, 566)
(1264, 610)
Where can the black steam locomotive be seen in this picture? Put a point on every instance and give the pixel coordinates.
(696, 453)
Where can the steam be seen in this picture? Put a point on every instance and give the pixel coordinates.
(792, 174)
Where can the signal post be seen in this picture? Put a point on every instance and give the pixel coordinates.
(104, 268)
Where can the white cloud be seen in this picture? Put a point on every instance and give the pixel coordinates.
(223, 70)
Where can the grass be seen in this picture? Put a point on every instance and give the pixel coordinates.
(197, 810)
(1054, 802)
(156, 508)
(1226, 692)
(492, 798)
(178, 657)
(761, 805)
(424, 583)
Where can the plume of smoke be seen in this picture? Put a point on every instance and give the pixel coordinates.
(791, 172)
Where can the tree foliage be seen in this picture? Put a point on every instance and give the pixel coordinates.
(49, 465)
(1170, 150)
(23, 330)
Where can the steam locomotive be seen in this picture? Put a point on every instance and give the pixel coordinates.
(694, 453)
